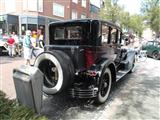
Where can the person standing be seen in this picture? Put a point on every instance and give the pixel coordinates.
(27, 46)
(11, 48)
(17, 49)
(41, 41)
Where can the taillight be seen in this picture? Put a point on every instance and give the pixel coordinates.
(89, 55)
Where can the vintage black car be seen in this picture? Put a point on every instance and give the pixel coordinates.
(84, 57)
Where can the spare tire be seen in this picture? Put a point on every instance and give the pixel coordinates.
(58, 71)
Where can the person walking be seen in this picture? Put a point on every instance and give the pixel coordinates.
(27, 46)
(11, 48)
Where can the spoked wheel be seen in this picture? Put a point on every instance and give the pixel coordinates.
(58, 71)
(155, 55)
(104, 86)
(50, 73)
(142, 56)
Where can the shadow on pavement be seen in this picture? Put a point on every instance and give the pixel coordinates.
(62, 107)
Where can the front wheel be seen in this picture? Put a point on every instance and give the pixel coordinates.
(104, 86)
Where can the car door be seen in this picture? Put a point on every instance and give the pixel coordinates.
(149, 47)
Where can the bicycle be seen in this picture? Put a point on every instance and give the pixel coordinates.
(141, 55)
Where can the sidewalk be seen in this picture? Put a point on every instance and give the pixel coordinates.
(6, 72)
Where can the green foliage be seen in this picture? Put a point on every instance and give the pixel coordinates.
(136, 23)
(116, 14)
(151, 11)
(110, 11)
(11, 110)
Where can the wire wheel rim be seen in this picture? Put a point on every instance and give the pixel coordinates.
(104, 84)
(51, 74)
(155, 55)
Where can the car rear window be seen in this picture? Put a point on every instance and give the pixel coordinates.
(69, 32)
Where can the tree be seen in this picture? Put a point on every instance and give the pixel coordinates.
(136, 23)
(110, 11)
(116, 14)
(151, 11)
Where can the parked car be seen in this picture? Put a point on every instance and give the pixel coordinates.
(84, 57)
(3, 44)
(153, 49)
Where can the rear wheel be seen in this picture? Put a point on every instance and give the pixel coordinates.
(58, 71)
(155, 55)
(104, 86)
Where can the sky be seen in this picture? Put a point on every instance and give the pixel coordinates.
(95, 2)
(132, 6)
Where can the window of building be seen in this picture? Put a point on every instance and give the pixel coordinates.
(75, 1)
(32, 5)
(83, 15)
(58, 10)
(10, 5)
(74, 14)
(24, 4)
(105, 33)
(84, 2)
(40, 5)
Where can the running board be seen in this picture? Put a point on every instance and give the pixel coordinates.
(120, 74)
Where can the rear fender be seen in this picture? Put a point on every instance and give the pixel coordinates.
(100, 66)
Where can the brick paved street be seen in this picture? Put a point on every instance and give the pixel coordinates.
(136, 97)
(7, 65)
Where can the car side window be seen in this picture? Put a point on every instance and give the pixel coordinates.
(118, 37)
(113, 35)
(149, 43)
(105, 32)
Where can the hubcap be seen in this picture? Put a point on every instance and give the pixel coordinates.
(104, 85)
(155, 55)
(50, 73)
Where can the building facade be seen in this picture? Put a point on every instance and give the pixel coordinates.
(20, 15)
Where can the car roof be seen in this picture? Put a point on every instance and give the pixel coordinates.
(85, 20)
(153, 41)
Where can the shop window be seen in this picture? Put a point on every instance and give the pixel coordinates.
(58, 10)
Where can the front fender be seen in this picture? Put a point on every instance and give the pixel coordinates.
(131, 58)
